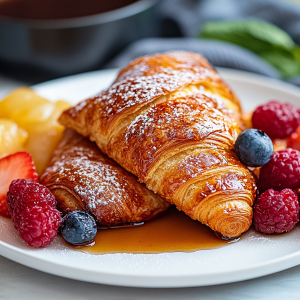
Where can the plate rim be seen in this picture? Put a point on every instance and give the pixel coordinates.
(115, 279)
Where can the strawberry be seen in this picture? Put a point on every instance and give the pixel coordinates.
(16, 166)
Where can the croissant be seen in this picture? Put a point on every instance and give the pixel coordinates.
(172, 121)
(82, 178)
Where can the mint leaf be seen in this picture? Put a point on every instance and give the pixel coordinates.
(266, 40)
(284, 62)
(296, 53)
(257, 36)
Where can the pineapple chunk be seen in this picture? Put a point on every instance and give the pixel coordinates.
(52, 122)
(38, 117)
(247, 118)
(41, 145)
(26, 108)
(45, 136)
(12, 138)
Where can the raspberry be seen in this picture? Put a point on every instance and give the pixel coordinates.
(38, 226)
(27, 193)
(33, 211)
(16, 189)
(277, 120)
(282, 171)
(276, 212)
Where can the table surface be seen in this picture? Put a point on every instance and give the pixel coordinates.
(20, 282)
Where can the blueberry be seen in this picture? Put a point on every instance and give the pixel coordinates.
(254, 148)
(78, 228)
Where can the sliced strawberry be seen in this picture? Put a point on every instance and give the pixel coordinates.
(16, 166)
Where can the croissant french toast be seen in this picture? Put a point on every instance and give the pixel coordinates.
(172, 121)
(82, 178)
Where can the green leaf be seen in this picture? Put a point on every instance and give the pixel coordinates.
(296, 53)
(284, 62)
(257, 36)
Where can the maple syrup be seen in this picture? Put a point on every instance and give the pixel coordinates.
(172, 232)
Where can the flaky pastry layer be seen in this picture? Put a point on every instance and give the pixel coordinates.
(172, 121)
(82, 178)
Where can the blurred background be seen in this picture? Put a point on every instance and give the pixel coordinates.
(47, 39)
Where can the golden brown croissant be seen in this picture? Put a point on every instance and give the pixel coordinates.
(172, 121)
(82, 178)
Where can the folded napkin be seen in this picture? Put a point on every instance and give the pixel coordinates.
(190, 15)
(186, 17)
(219, 54)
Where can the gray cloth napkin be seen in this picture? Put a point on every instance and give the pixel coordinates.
(185, 17)
(190, 15)
(219, 54)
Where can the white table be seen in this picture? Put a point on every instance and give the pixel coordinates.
(20, 282)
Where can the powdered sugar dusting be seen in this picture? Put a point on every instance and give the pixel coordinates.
(110, 193)
(137, 90)
(196, 163)
(171, 124)
(218, 101)
(74, 111)
(93, 180)
(178, 119)
(145, 80)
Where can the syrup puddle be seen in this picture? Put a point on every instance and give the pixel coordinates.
(172, 232)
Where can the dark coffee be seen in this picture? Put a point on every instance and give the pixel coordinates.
(58, 9)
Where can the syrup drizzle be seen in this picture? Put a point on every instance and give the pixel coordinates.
(172, 232)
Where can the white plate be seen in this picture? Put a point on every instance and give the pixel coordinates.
(254, 256)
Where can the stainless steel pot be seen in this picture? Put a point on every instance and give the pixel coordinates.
(69, 46)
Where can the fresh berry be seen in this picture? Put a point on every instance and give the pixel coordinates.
(38, 226)
(293, 141)
(276, 212)
(32, 207)
(78, 228)
(15, 191)
(282, 171)
(253, 148)
(26, 193)
(15, 166)
(278, 120)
